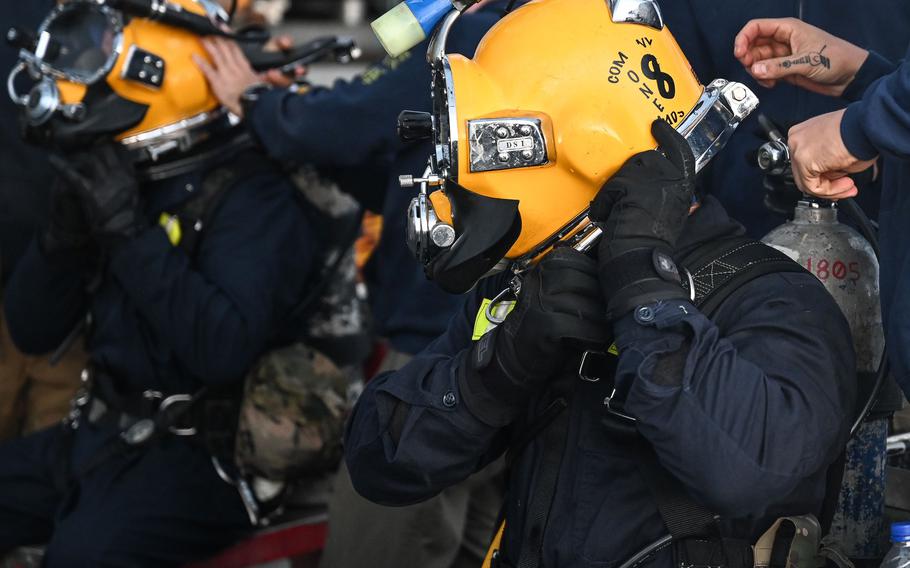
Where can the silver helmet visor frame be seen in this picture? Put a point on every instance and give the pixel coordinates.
(37, 61)
(722, 107)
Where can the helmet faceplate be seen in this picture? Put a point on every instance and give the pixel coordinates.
(90, 59)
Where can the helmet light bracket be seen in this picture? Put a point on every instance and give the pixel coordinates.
(144, 67)
(643, 12)
(716, 116)
(427, 235)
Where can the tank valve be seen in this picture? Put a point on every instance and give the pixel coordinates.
(774, 155)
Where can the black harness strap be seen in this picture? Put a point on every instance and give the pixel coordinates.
(723, 267)
(541, 502)
(717, 270)
(683, 517)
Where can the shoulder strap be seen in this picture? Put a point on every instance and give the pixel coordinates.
(714, 273)
(724, 266)
(198, 212)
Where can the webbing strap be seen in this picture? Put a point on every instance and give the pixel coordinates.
(682, 516)
(723, 267)
(541, 501)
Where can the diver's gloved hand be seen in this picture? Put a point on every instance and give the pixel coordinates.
(67, 229)
(104, 180)
(560, 308)
(643, 209)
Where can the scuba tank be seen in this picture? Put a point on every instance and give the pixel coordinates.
(846, 263)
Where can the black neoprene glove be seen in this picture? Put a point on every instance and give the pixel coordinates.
(67, 228)
(643, 209)
(105, 183)
(560, 306)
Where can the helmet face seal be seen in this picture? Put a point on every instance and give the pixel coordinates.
(486, 227)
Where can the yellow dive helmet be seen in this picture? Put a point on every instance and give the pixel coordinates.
(559, 94)
(120, 69)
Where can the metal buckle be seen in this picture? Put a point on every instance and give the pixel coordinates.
(247, 495)
(587, 371)
(616, 409)
(691, 280)
(139, 432)
(80, 400)
(171, 401)
(588, 367)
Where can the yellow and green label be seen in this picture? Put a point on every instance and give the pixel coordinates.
(482, 325)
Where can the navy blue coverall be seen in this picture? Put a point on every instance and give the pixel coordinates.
(879, 124)
(748, 419)
(165, 322)
(705, 30)
(354, 124)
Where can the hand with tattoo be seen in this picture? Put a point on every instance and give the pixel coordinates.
(787, 49)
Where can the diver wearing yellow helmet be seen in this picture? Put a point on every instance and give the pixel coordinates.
(180, 254)
(642, 364)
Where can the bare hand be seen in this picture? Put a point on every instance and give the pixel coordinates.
(821, 161)
(229, 74)
(791, 50)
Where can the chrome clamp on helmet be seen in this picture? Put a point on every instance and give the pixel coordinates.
(559, 94)
(117, 68)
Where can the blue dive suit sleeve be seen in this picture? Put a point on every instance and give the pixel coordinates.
(411, 435)
(348, 125)
(220, 311)
(741, 417)
(45, 298)
(874, 68)
(880, 122)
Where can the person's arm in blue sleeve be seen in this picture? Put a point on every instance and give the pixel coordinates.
(880, 122)
(873, 68)
(220, 310)
(741, 417)
(354, 121)
(412, 433)
(45, 298)
(351, 123)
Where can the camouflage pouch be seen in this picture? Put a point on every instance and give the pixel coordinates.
(292, 415)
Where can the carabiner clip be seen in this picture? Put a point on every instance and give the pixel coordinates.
(512, 291)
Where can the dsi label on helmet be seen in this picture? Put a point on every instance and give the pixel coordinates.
(515, 144)
(506, 143)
